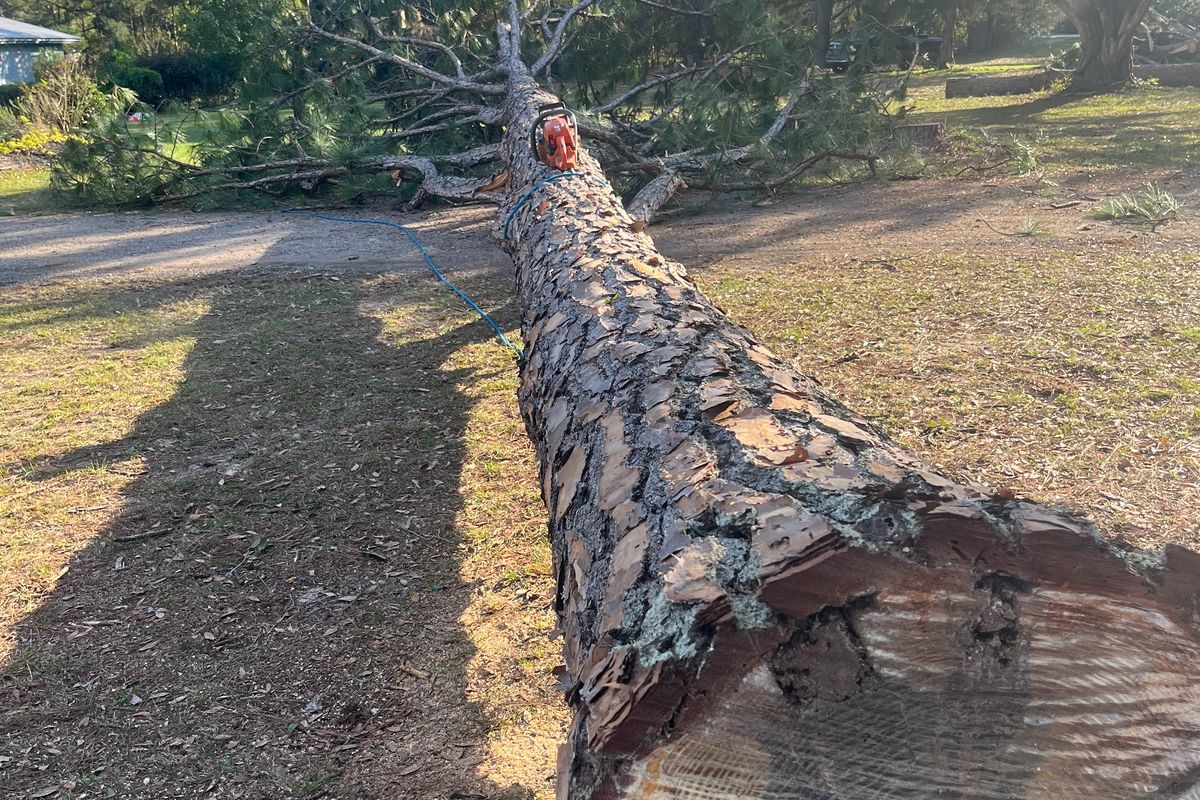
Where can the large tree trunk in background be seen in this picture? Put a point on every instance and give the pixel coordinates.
(761, 596)
(980, 34)
(949, 24)
(824, 15)
(1106, 30)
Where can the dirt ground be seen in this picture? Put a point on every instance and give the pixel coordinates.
(341, 670)
(956, 216)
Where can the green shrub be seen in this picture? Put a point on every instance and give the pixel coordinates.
(63, 97)
(9, 93)
(142, 81)
(11, 126)
(204, 77)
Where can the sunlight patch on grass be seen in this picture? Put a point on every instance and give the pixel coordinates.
(79, 369)
(503, 548)
(24, 191)
(1147, 127)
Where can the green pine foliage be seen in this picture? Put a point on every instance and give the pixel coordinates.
(305, 99)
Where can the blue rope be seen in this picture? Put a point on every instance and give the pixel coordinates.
(429, 260)
(537, 186)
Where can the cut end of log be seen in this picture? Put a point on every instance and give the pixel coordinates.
(976, 666)
(1044, 693)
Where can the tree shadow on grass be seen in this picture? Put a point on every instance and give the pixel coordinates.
(274, 612)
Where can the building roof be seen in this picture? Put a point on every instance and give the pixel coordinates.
(13, 32)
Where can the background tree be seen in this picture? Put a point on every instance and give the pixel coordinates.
(1106, 30)
(823, 19)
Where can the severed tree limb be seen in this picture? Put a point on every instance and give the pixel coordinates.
(432, 183)
(654, 194)
(762, 596)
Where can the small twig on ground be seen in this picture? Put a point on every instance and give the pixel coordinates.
(1002, 233)
(137, 537)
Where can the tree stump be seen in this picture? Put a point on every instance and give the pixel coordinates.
(925, 134)
(762, 596)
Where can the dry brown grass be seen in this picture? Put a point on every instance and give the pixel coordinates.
(1074, 379)
(337, 583)
(342, 587)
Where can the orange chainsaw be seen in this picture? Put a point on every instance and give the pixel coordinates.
(554, 137)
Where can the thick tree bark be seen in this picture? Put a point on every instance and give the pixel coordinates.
(823, 10)
(1169, 74)
(761, 596)
(949, 25)
(1106, 30)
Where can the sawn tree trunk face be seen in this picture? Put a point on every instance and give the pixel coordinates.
(761, 596)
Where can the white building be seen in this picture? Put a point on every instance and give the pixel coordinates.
(20, 44)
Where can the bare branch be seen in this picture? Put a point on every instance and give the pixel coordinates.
(782, 118)
(260, 183)
(532, 7)
(414, 42)
(556, 41)
(716, 65)
(487, 189)
(514, 26)
(614, 141)
(654, 194)
(456, 110)
(289, 164)
(484, 115)
(432, 182)
(641, 87)
(408, 64)
(484, 154)
(796, 172)
(902, 83)
(686, 11)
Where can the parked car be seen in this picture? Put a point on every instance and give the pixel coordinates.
(894, 44)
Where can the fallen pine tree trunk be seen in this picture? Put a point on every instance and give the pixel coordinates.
(1176, 75)
(986, 86)
(761, 596)
(990, 85)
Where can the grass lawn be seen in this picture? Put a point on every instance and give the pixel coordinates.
(1071, 377)
(271, 489)
(1141, 127)
(281, 534)
(25, 191)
